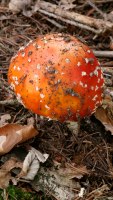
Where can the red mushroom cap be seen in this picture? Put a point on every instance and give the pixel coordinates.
(57, 76)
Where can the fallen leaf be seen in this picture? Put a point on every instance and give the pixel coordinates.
(70, 171)
(31, 164)
(18, 5)
(4, 118)
(105, 113)
(13, 134)
(5, 175)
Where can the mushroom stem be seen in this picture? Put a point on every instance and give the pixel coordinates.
(74, 127)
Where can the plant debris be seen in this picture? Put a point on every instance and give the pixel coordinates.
(87, 157)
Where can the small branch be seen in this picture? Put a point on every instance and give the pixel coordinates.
(91, 3)
(59, 13)
(9, 102)
(70, 22)
(107, 54)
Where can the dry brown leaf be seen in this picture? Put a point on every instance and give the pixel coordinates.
(18, 5)
(12, 134)
(31, 164)
(106, 118)
(4, 118)
(70, 172)
(5, 175)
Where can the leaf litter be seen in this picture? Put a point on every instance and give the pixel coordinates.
(78, 166)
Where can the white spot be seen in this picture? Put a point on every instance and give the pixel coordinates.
(37, 89)
(82, 192)
(16, 82)
(98, 102)
(59, 34)
(88, 51)
(36, 76)
(49, 119)
(98, 80)
(57, 81)
(62, 73)
(56, 72)
(23, 54)
(12, 86)
(41, 101)
(38, 66)
(34, 43)
(102, 86)
(86, 60)
(84, 73)
(81, 83)
(14, 57)
(76, 48)
(18, 96)
(15, 78)
(39, 46)
(58, 39)
(29, 42)
(21, 48)
(98, 62)
(78, 64)
(91, 74)
(47, 107)
(94, 98)
(101, 76)
(92, 87)
(85, 85)
(42, 96)
(45, 41)
(29, 59)
(98, 68)
(47, 67)
(18, 68)
(14, 67)
(96, 88)
(95, 72)
(45, 38)
(67, 60)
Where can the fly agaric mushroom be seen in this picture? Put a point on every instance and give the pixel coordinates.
(58, 77)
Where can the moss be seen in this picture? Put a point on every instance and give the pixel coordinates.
(15, 193)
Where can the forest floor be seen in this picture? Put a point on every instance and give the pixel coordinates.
(84, 161)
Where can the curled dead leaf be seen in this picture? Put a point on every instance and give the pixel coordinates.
(13, 134)
(4, 118)
(104, 116)
(5, 175)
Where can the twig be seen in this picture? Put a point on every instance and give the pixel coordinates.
(56, 11)
(107, 54)
(9, 102)
(70, 21)
(91, 3)
(103, 1)
(55, 23)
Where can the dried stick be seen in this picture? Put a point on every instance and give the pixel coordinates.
(91, 3)
(98, 24)
(9, 102)
(70, 21)
(107, 54)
